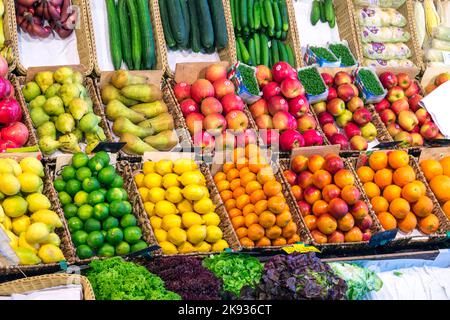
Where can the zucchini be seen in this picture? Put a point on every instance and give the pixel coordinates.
(257, 40)
(233, 13)
(187, 22)
(166, 24)
(148, 40)
(315, 12)
(205, 25)
(219, 24)
(284, 15)
(322, 12)
(269, 16)
(238, 51)
(196, 44)
(252, 50)
(290, 54)
(237, 9)
(244, 52)
(274, 52)
(243, 13)
(264, 50)
(257, 14)
(277, 17)
(282, 52)
(251, 18)
(114, 34)
(263, 14)
(136, 45)
(176, 21)
(124, 22)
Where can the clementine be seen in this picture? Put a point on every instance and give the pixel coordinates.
(429, 224)
(267, 219)
(242, 201)
(289, 230)
(238, 222)
(319, 207)
(440, 185)
(404, 175)
(219, 176)
(392, 192)
(276, 204)
(235, 212)
(234, 184)
(238, 192)
(241, 232)
(319, 237)
(326, 224)
(263, 242)
(383, 178)
(250, 219)
(223, 185)
(378, 160)
(255, 232)
(249, 208)
(246, 242)
(260, 206)
(273, 232)
(411, 192)
(423, 207)
(279, 242)
(445, 163)
(365, 174)
(408, 223)
(283, 219)
(257, 196)
(226, 194)
(315, 163)
(387, 220)
(379, 204)
(399, 208)
(371, 189)
(295, 238)
(398, 159)
(228, 166)
(272, 188)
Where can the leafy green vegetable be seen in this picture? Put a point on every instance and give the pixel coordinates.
(116, 279)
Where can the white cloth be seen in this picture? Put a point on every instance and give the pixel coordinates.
(70, 292)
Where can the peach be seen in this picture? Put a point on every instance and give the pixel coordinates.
(365, 223)
(330, 192)
(290, 176)
(319, 237)
(216, 72)
(354, 235)
(337, 208)
(304, 207)
(336, 237)
(305, 179)
(350, 194)
(359, 210)
(319, 207)
(312, 194)
(346, 222)
(321, 178)
(344, 178)
(315, 163)
(326, 224)
(333, 163)
(299, 163)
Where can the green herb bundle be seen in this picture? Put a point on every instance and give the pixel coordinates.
(370, 82)
(312, 81)
(249, 79)
(323, 53)
(343, 52)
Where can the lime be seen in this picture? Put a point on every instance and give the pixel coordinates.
(74, 224)
(79, 238)
(114, 236)
(123, 248)
(79, 160)
(104, 156)
(72, 187)
(85, 212)
(128, 220)
(59, 184)
(101, 211)
(81, 197)
(95, 164)
(104, 191)
(92, 225)
(140, 245)
(84, 252)
(83, 173)
(110, 223)
(106, 250)
(68, 173)
(90, 184)
(70, 210)
(104, 233)
(96, 197)
(117, 182)
(107, 175)
(132, 234)
(114, 194)
(95, 239)
(64, 198)
(119, 208)
(124, 194)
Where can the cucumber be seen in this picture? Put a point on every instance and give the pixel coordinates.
(244, 52)
(322, 12)
(251, 18)
(114, 34)
(290, 54)
(238, 51)
(284, 15)
(136, 46)
(148, 40)
(252, 50)
(264, 50)
(187, 23)
(269, 16)
(332, 23)
(205, 25)
(278, 34)
(257, 40)
(315, 12)
(283, 35)
(237, 10)
(219, 24)
(176, 21)
(277, 17)
(196, 44)
(282, 52)
(210, 50)
(166, 24)
(233, 13)
(263, 14)
(243, 13)
(329, 10)
(257, 14)
(124, 23)
(274, 52)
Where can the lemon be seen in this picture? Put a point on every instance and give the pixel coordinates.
(54, 239)
(164, 167)
(13, 239)
(163, 208)
(213, 234)
(170, 180)
(177, 236)
(171, 221)
(204, 205)
(17, 170)
(29, 182)
(5, 166)
(20, 224)
(186, 248)
(50, 218)
(7, 223)
(190, 219)
(174, 195)
(180, 166)
(168, 248)
(143, 192)
(2, 214)
(192, 177)
(211, 219)
(32, 165)
(184, 206)
(149, 208)
(161, 235)
(148, 167)
(156, 194)
(196, 234)
(24, 244)
(49, 253)
(15, 206)
(220, 245)
(193, 192)
(139, 179)
(155, 222)
(27, 256)
(152, 180)
(37, 232)
(203, 247)
(10, 184)
(205, 192)
(37, 201)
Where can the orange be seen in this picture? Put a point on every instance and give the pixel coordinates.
(371, 189)
(255, 232)
(408, 223)
(279, 242)
(398, 159)
(431, 168)
(411, 192)
(446, 209)
(219, 176)
(230, 204)
(429, 224)
(247, 178)
(257, 195)
(379, 204)
(249, 208)
(250, 219)
(252, 186)
(423, 207)
(295, 238)
(392, 192)
(284, 218)
(241, 232)
(234, 184)
(264, 175)
(311, 222)
(404, 175)
(365, 174)
(315, 162)
(223, 185)
(387, 220)
(243, 171)
(272, 188)
(238, 154)
(227, 167)
(242, 201)
(246, 242)
(241, 164)
(297, 192)
(264, 242)
(276, 204)
(378, 160)
(399, 208)
(346, 223)
(440, 185)
(235, 212)
(289, 230)
(238, 222)
(383, 178)
(319, 207)
(344, 178)
(445, 163)
(267, 219)
(273, 232)
(260, 206)
(238, 192)
(226, 194)
(421, 186)
(232, 174)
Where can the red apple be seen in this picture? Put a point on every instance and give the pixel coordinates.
(395, 93)
(422, 115)
(306, 122)
(264, 121)
(327, 78)
(362, 116)
(429, 88)
(182, 91)
(232, 102)
(339, 139)
(417, 140)
(355, 103)
(355, 89)
(337, 208)
(351, 130)
(282, 120)
(358, 143)
(282, 70)
(298, 106)
(393, 129)
(204, 140)
(345, 92)
(290, 139)
(277, 103)
(194, 122)
(320, 107)
(404, 138)
(291, 88)
(202, 89)
(414, 102)
(269, 136)
(237, 121)
(388, 116)
(440, 136)
(189, 106)
(412, 90)
(440, 79)
(15, 132)
(333, 163)
(216, 72)
(271, 89)
(290, 176)
(222, 87)
(211, 105)
(342, 77)
(416, 129)
(249, 136)
(332, 94)
(407, 120)
(312, 138)
(329, 129)
(225, 141)
(263, 75)
(336, 107)
(214, 123)
(404, 81)
(429, 130)
(382, 105)
(258, 108)
(325, 118)
(388, 79)
(400, 105)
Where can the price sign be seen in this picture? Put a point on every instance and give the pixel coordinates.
(112, 147)
(382, 238)
(300, 247)
(446, 56)
(387, 145)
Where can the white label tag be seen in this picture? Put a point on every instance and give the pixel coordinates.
(446, 56)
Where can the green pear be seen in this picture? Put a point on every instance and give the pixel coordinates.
(78, 107)
(65, 123)
(63, 75)
(142, 92)
(53, 90)
(110, 93)
(123, 78)
(116, 109)
(48, 144)
(83, 91)
(38, 116)
(68, 92)
(69, 143)
(89, 122)
(77, 77)
(47, 129)
(163, 141)
(90, 104)
(54, 106)
(162, 122)
(122, 125)
(98, 135)
(91, 145)
(134, 145)
(44, 79)
(78, 133)
(37, 102)
(30, 91)
(151, 109)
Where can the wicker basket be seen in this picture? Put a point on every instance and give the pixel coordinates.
(84, 44)
(8, 31)
(25, 285)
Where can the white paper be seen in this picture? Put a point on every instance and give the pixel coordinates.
(175, 57)
(71, 292)
(436, 105)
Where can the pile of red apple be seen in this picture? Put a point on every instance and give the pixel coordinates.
(343, 117)
(405, 119)
(283, 111)
(214, 113)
